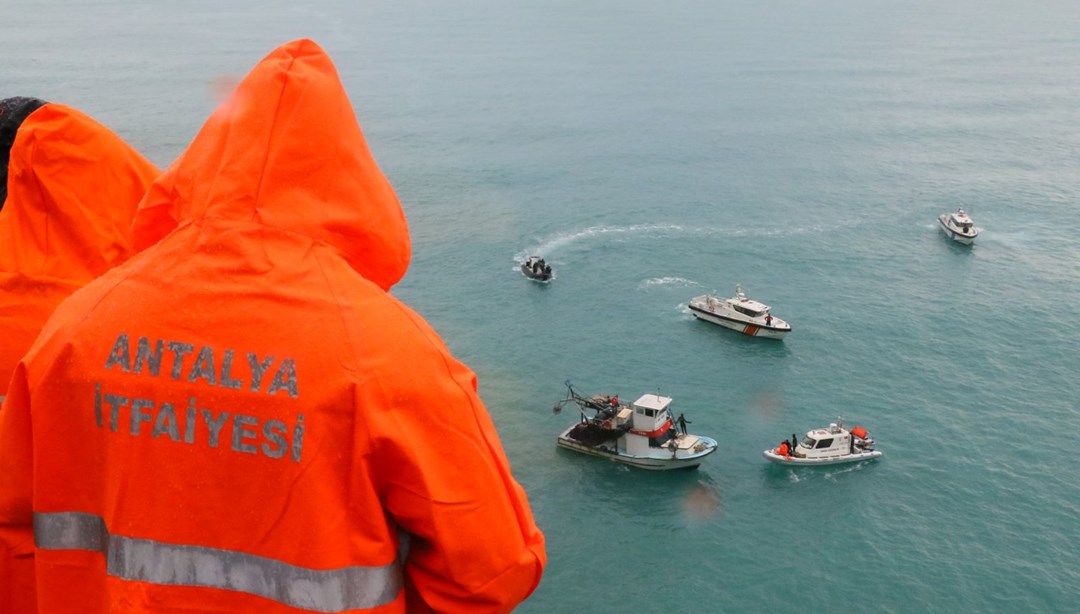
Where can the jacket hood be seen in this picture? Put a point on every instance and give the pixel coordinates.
(286, 150)
(71, 186)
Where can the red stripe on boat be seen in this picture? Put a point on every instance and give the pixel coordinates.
(660, 431)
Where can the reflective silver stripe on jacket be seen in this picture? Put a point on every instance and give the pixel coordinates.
(144, 560)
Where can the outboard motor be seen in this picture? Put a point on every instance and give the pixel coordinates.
(862, 438)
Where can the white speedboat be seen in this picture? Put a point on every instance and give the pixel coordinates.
(959, 226)
(828, 446)
(641, 434)
(739, 313)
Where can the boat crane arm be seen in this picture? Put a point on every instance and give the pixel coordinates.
(558, 406)
(570, 397)
(583, 403)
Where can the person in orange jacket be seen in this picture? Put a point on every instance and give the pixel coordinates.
(69, 187)
(241, 418)
(68, 191)
(783, 449)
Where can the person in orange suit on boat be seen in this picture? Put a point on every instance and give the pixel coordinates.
(783, 450)
(241, 418)
(69, 187)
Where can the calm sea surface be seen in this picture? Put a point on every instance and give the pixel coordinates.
(653, 151)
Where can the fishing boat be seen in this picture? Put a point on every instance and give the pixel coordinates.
(536, 269)
(641, 434)
(827, 446)
(959, 226)
(739, 313)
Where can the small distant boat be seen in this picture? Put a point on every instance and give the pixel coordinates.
(641, 434)
(739, 313)
(536, 269)
(959, 226)
(828, 446)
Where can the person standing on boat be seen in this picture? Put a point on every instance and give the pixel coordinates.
(681, 422)
(68, 191)
(241, 418)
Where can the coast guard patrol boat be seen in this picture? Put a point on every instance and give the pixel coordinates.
(828, 446)
(959, 226)
(739, 313)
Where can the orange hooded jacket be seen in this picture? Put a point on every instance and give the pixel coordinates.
(241, 418)
(68, 191)
(71, 189)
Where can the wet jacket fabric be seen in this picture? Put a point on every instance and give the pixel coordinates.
(241, 418)
(68, 191)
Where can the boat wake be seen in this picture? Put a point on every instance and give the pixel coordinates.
(681, 282)
(563, 241)
(567, 240)
(856, 466)
(684, 308)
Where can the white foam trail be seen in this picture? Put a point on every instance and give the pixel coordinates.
(835, 472)
(562, 241)
(666, 281)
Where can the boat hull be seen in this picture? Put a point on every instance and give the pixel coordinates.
(662, 460)
(746, 328)
(824, 460)
(955, 236)
(541, 277)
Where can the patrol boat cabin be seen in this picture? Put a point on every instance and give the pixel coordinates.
(642, 434)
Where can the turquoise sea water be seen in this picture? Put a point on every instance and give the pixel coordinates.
(656, 151)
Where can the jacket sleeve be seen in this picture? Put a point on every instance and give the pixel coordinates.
(16, 515)
(444, 478)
